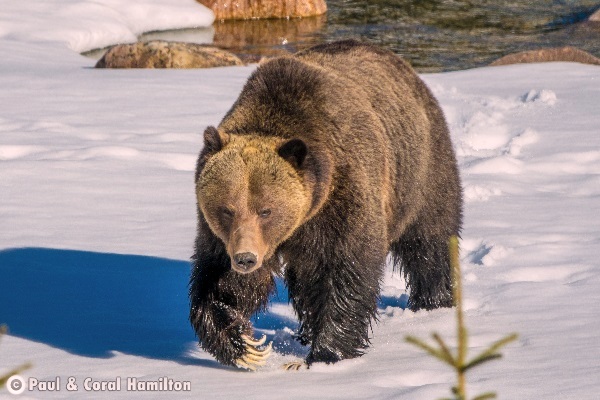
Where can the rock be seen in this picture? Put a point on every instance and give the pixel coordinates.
(252, 9)
(595, 17)
(163, 54)
(567, 53)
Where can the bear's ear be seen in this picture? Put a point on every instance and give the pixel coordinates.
(294, 151)
(214, 140)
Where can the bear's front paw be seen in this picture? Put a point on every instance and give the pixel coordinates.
(253, 357)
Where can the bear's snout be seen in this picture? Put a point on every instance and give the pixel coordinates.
(245, 261)
(245, 246)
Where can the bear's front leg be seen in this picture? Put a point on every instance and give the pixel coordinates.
(335, 300)
(222, 302)
(227, 335)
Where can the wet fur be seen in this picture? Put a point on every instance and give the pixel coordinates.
(383, 178)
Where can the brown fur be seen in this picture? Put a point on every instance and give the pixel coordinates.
(246, 177)
(350, 151)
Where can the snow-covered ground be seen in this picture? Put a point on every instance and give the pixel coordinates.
(97, 221)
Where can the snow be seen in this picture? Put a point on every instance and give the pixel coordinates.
(97, 211)
(91, 24)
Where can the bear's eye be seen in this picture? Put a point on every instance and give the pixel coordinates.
(264, 213)
(227, 212)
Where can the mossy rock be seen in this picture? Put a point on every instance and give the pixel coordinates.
(566, 54)
(163, 54)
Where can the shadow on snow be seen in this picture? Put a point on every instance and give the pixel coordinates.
(92, 304)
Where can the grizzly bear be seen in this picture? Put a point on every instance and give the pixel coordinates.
(329, 160)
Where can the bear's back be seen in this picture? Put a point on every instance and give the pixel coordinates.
(379, 70)
(351, 58)
(414, 141)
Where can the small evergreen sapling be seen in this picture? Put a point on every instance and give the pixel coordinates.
(459, 361)
(14, 371)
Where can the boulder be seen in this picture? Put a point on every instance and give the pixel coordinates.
(567, 53)
(163, 54)
(252, 9)
(595, 17)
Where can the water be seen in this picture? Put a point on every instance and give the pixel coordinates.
(434, 35)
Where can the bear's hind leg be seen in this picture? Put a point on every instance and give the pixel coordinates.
(425, 262)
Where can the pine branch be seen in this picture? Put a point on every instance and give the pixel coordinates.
(14, 371)
(490, 353)
(424, 346)
(485, 396)
(502, 342)
(444, 350)
(460, 325)
(480, 360)
(460, 363)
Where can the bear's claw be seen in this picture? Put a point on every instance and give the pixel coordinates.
(253, 342)
(254, 357)
(294, 366)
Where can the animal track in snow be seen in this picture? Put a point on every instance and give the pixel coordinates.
(542, 96)
(504, 158)
(483, 253)
(473, 193)
(482, 135)
(486, 138)
(516, 144)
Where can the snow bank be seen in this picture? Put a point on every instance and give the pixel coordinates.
(91, 24)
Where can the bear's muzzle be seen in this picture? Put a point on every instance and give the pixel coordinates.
(244, 262)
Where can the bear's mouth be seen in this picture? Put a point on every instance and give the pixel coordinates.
(242, 270)
(246, 262)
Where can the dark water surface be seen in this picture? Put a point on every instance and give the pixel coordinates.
(434, 35)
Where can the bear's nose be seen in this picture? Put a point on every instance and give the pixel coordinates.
(245, 260)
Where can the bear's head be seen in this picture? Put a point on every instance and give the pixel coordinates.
(255, 191)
